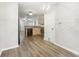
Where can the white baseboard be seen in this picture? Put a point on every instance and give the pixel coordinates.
(73, 51)
(77, 53)
(8, 49)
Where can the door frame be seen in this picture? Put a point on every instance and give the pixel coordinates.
(18, 32)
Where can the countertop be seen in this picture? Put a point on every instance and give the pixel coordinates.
(34, 26)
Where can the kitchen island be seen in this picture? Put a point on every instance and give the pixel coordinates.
(34, 30)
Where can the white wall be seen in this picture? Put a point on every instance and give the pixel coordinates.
(8, 25)
(66, 19)
(67, 25)
(49, 25)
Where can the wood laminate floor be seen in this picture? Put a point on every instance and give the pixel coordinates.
(35, 46)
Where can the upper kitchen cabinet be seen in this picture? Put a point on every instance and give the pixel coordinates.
(41, 20)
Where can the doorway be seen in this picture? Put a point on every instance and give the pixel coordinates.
(31, 20)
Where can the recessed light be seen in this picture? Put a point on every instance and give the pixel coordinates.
(46, 8)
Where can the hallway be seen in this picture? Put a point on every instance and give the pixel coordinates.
(35, 46)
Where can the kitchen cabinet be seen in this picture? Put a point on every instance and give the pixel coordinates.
(37, 31)
(33, 30)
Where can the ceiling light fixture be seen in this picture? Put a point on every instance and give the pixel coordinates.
(30, 13)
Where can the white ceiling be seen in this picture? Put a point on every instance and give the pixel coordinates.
(37, 8)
